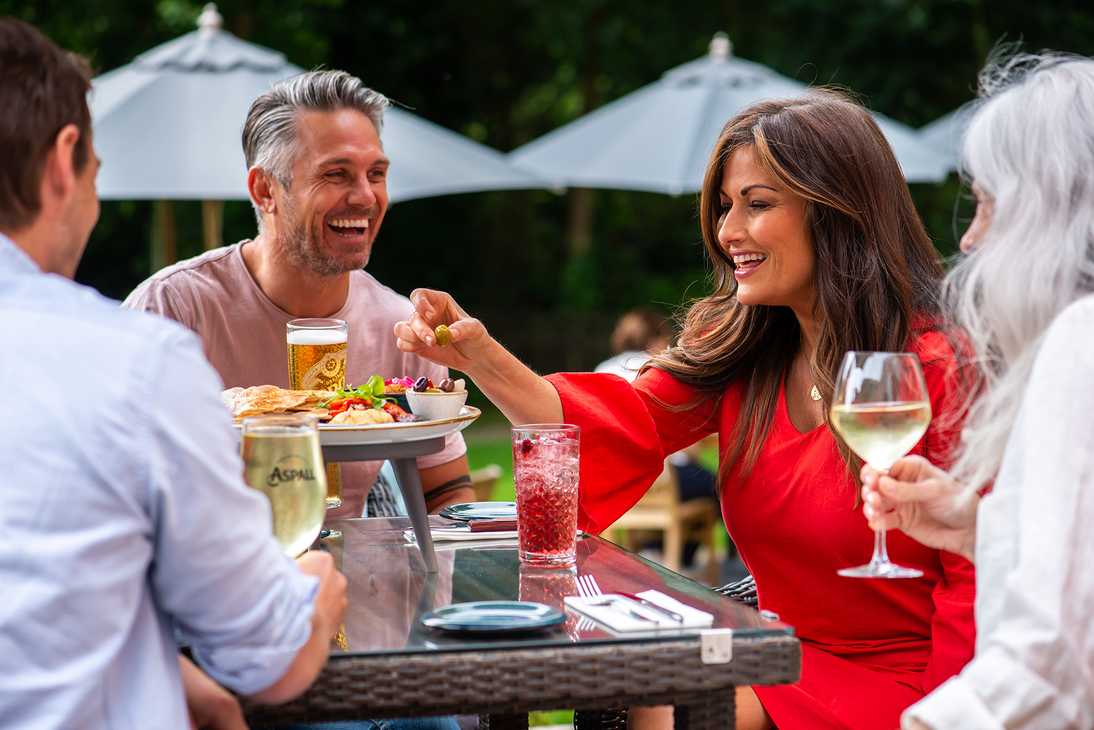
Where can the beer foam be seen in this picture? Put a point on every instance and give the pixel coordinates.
(316, 337)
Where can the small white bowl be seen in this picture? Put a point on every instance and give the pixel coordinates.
(433, 406)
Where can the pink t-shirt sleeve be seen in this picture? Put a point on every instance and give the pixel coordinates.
(153, 296)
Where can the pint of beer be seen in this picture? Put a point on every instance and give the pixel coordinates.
(317, 354)
(317, 361)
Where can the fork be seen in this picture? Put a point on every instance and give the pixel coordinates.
(588, 588)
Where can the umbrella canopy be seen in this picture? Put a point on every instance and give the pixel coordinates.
(946, 133)
(659, 137)
(167, 126)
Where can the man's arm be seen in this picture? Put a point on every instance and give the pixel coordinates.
(330, 607)
(445, 484)
(256, 622)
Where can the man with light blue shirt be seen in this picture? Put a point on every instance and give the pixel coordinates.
(125, 525)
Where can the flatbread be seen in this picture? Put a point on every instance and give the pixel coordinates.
(261, 400)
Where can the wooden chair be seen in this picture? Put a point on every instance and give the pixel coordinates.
(661, 510)
(483, 481)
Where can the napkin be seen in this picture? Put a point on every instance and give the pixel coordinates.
(617, 616)
(453, 534)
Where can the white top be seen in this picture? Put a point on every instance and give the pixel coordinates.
(626, 364)
(1034, 664)
(124, 520)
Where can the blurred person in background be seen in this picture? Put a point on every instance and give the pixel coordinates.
(639, 335)
(816, 249)
(1020, 498)
(125, 520)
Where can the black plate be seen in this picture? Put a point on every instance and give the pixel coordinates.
(480, 511)
(493, 617)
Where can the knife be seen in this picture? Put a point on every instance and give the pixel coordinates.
(491, 525)
(656, 607)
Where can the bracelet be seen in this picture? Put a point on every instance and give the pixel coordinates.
(464, 480)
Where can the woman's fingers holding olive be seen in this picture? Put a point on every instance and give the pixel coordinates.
(436, 307)
(407, 339)
(428, 302)
(466, 330)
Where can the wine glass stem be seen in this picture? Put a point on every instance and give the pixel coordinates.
(881, 553)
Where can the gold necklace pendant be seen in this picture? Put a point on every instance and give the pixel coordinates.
(814, 393)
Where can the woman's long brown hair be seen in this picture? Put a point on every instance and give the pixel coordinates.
(876, 273)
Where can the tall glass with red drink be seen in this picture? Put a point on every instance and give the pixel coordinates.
(545, 470)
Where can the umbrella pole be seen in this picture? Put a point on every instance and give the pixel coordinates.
(164, 250)
(212, 223)
(579, 223)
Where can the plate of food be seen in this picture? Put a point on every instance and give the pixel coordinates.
(366, 414)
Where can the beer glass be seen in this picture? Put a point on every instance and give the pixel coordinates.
(881, 409)
(281, 459)
(317, 361)
(317, 353)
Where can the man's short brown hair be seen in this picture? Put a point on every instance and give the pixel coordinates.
(42, 89)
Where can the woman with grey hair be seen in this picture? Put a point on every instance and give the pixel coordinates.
(1022, 489)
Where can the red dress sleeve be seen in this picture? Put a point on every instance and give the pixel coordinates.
(627, 430)
(953, 626)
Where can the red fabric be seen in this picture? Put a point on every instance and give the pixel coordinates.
(870, 647)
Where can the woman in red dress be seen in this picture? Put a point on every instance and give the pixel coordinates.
(816, 250)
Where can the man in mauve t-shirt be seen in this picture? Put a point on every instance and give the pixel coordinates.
(317, 177)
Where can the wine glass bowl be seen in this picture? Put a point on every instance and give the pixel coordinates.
(881, 409)
(282, 459)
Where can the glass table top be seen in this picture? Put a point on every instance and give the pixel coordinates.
(389, 591)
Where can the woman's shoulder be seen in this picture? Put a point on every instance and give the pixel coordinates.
(1071, 329)
(935, 341)
(668, 389)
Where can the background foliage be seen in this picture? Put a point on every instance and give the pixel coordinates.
(505, 72)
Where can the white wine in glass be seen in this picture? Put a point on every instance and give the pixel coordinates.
(282, 459)
(881, 409)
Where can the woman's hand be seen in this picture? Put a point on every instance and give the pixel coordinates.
(519, 393)
(922, 501)
(469, 338)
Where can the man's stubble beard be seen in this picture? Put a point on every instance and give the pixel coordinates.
(302, 246)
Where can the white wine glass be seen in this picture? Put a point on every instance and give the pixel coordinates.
(282, 459)
(881, 409)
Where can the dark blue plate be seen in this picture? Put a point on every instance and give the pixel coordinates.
(480, 511)
(493, 617)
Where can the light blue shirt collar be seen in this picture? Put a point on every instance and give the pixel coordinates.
(13, 258)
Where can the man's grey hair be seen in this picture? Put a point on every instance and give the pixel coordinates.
(269, 134)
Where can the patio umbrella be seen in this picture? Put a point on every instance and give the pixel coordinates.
(167, 127)
(946, 133)
(659, 137)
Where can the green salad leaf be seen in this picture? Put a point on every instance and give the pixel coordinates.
(372, 391)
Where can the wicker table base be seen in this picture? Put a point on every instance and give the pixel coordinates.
(506, 684)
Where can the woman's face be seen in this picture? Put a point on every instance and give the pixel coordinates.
(762, 228)
(985, 210)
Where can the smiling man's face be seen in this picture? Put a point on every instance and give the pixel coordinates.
(334, 205)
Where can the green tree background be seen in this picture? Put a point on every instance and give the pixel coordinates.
(505, 72)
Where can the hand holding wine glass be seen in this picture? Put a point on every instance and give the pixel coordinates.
(924, 502)
(881, 409)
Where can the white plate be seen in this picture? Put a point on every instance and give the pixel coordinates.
(334, 434)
